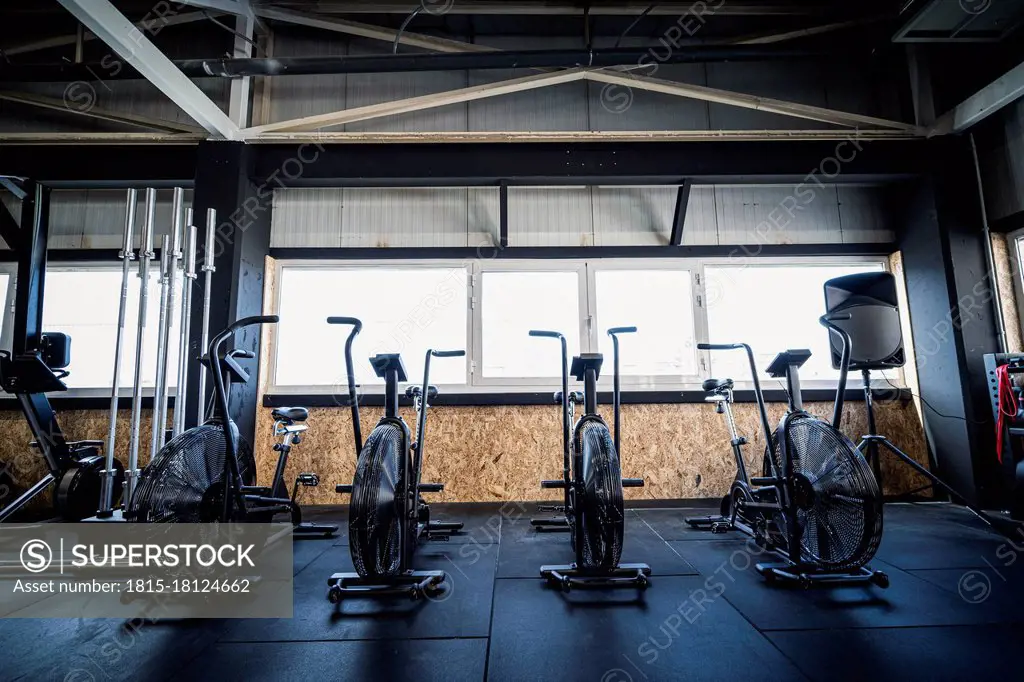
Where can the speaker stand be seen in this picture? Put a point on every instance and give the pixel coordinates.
(872, 451)
(870, 443)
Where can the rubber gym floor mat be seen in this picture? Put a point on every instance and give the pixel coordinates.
(995, 585)
(524, 550)
(625, 635)
(462, 610)
(106, 650)
(437, 660)
(946, 545)
(671, 524)
(306, 552)
(935, 654)
(909, 601)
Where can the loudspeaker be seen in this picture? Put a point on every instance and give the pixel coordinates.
(869, 299)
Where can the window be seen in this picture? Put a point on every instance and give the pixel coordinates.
(488, 308)
(513, 303)
(772, 308)
(658, 303)
(5, 284)
(404, 309)
(83, 303)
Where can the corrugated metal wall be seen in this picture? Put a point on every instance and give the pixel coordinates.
(572, 106)
(94, 219)
(578, 216)
(568, 107)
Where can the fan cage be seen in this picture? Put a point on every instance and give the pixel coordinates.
(840, 526)
(601, 508)
(185, 481)
(376, 509)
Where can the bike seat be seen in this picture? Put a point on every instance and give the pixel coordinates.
(584, 361)
(413, 391)
(384, 362)
(715, 385)
(290, 414)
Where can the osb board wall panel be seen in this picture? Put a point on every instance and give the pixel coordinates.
(1004, 274)
(487, 454)
(26, 465)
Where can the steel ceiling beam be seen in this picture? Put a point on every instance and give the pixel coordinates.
(1005, 90)
(103, 19)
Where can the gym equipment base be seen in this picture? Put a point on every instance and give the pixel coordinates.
(567, 576)
(787, 574)
(308, 529)
(413, 584)
(551, 525)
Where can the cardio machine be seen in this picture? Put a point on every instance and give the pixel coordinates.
(816, 505)
(37, 365)
(592, 482)
(387, 515)
(208, 473)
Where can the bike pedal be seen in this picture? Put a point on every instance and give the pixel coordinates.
(551, 508)
(719, 528)
(439, 537)
(309, 479)
(344, 489)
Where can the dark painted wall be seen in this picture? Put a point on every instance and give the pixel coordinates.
(950, 293)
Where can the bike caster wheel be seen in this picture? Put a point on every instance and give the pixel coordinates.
(881, 579)
(415, 594)
(718, 528)
(805, 582)
(334, 595)
(642, 582)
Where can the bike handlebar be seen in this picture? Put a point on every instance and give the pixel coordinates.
(720, 346)
(447, 353)
(347, 320)
(551, 335)
(621, 330)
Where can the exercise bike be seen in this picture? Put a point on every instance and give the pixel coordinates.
(592, 482)
(74, 467)
(387, 515)
(816, 505)
(208, 473)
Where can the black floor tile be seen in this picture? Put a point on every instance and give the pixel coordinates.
(100, 650)
(931, 539)
(524, 550)
(445, 660)
(463, 610)
(909, 601)
(982, 586)
(906, 654)
(305, 552)
(671, 524)
(622, 635)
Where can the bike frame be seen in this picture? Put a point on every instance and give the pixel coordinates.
(232, 479)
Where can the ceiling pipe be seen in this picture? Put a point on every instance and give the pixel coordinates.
(646, 58)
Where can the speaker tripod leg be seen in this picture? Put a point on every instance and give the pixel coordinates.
(916, 466)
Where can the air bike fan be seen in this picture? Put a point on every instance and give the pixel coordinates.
(816, 505)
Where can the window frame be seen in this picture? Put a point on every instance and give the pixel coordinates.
(272, 386)
(586, 270)
(745, 382)
(692, 266)
(6, 338)
(477, 379)
(1013, 245)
